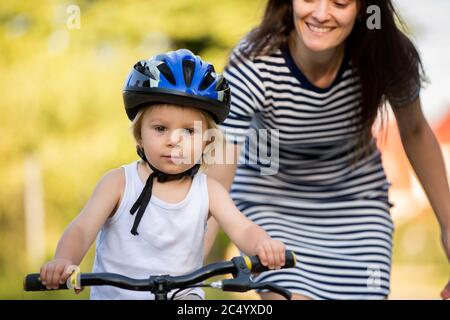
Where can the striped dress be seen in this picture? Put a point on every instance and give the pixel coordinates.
(306, 191)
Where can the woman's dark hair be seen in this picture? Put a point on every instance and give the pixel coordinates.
(385, 60)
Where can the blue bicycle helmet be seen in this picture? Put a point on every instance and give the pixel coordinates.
(177, 77)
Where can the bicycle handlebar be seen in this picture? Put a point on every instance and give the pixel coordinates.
(252, 264)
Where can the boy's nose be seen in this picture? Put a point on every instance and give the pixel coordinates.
(174, 138)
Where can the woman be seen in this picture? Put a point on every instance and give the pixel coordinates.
(319, 71)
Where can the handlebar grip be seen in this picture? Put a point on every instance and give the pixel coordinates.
(255, 265)
(32, 282)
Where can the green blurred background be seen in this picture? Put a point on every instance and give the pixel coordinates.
(63, 122)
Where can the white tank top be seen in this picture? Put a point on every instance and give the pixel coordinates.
(170, 239)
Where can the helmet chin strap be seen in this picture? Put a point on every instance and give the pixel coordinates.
(146, 194)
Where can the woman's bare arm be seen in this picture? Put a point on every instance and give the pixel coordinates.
(425, 156)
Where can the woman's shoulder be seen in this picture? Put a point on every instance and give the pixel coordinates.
(245, 51)
(244, 64)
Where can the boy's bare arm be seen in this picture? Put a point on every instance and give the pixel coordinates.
(223, 173)
(245, 234)
(81, 233)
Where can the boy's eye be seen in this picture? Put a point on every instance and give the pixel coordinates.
(159, 128)
(189, 131)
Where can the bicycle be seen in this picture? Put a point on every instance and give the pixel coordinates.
(241, 268)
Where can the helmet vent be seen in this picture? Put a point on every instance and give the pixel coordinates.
(188, 71)
(143, 68)
(167, 73)
(207, 81)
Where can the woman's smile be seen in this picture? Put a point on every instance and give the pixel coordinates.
(318, 29)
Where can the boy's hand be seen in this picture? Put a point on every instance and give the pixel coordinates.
(271, 253)
(55, 273)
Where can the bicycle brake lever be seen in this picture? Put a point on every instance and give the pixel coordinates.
(274, 288)
(241, 277)
(236, 285)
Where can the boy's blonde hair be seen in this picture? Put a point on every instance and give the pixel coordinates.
(213, 149)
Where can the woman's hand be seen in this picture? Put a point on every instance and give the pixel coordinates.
(56, 272)
(271, 252)
(445, 237)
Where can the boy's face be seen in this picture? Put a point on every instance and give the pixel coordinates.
(172, 137)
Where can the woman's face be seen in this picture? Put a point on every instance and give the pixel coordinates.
(324, 24)
(172, 137)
